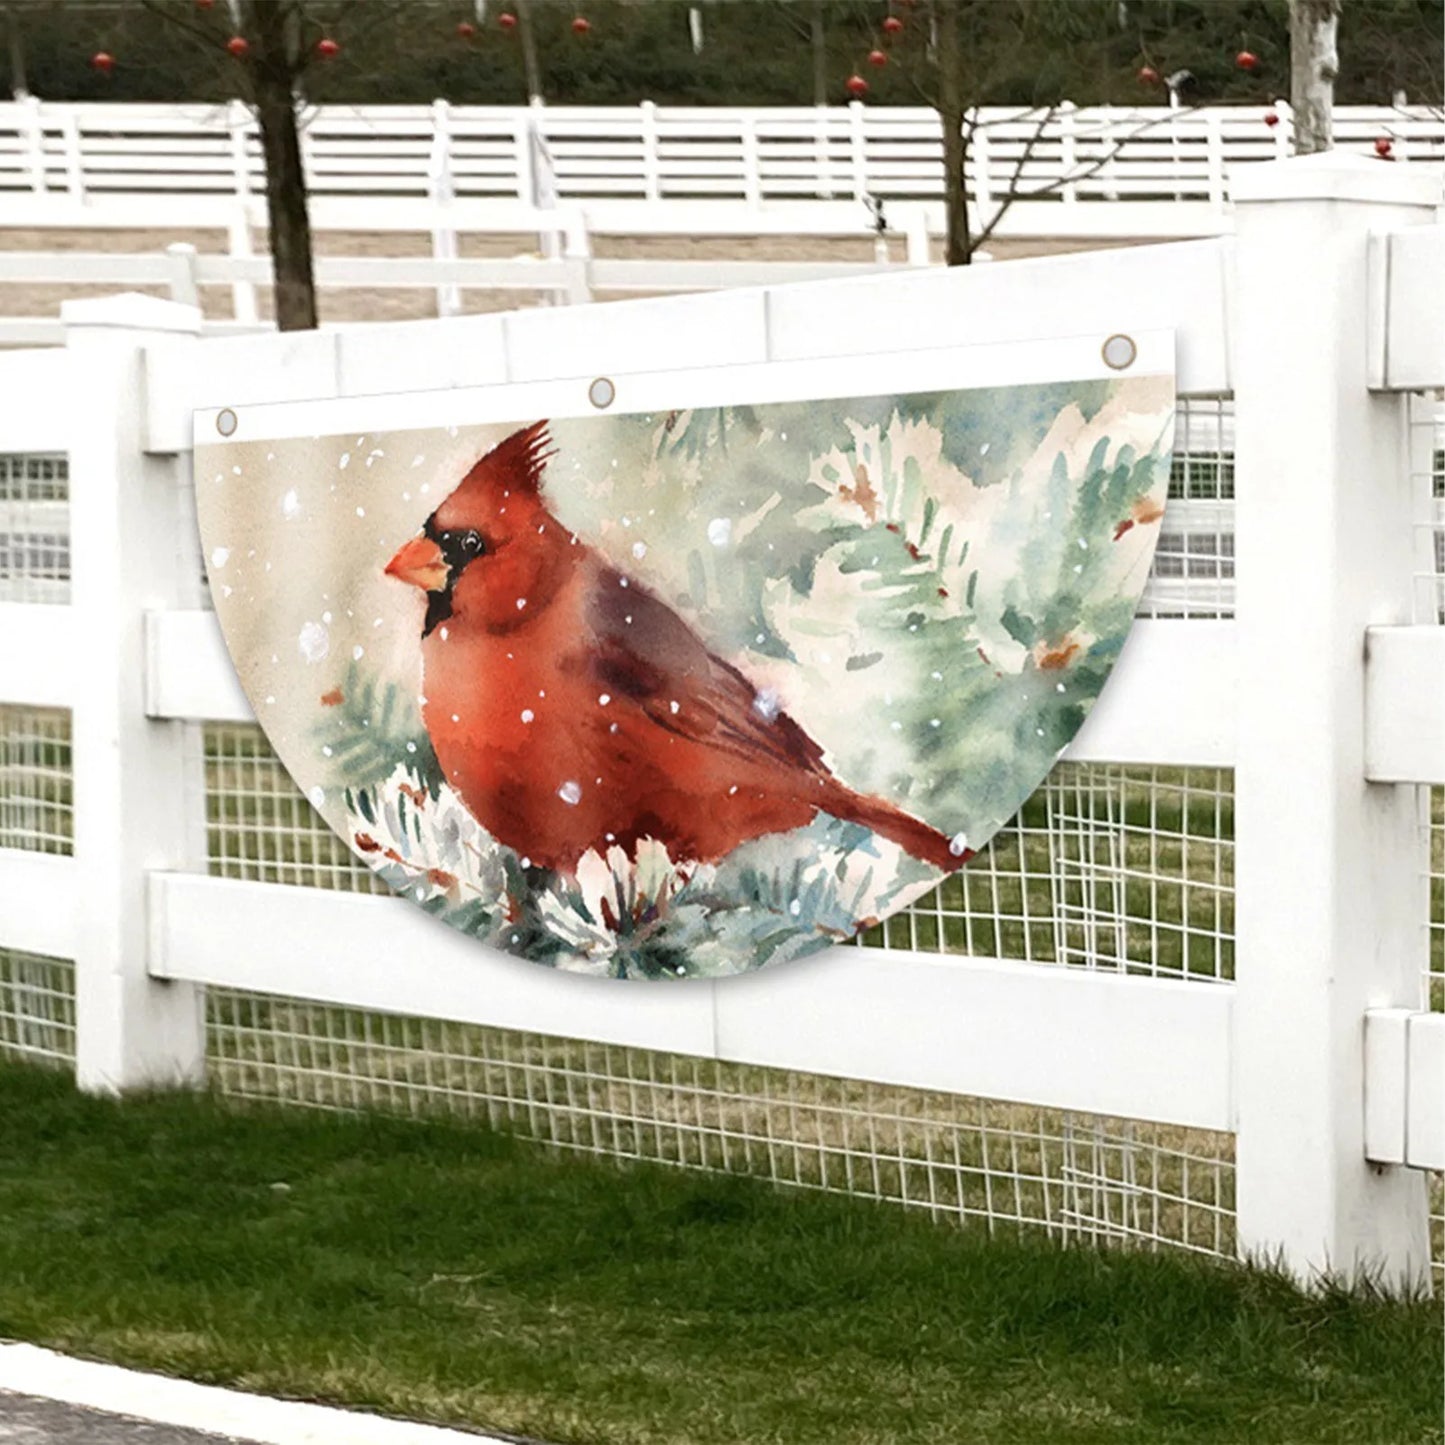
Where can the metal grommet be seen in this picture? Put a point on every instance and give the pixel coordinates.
(602, 393)
(1119, 351)
(226, 422)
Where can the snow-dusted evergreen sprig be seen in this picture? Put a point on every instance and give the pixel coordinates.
(424, 843)
(641, 915)
(622, 915)
(367, 727)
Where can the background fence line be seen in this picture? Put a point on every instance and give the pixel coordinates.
(572, 277)
(1103, 921)
(1063, 159)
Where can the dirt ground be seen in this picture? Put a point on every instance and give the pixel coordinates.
(410, 303)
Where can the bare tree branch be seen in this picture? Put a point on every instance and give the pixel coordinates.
(180, 19)
(1015, 192)
(1011, 194)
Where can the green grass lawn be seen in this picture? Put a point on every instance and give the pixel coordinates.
(447, 1272)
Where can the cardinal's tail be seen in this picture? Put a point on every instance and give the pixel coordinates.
(910, 833)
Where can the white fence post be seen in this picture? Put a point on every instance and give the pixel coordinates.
(183, 273)
(915, 228)
(442, 193)
(858, 149)
(523, 159)
(1068, 152)
(34, 142)
(544, 196)
(74, 167)
(238, 242)
(1284, 131)
(131, 797)
(752, 163)
(822, 152)
(1108, 155)
(576, 253)
(982, 181)
(238, 130)
(1329, 914)
(238, 228)
(1214, 159)
(651, 165)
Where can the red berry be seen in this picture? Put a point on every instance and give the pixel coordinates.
(1384, 146)
(877, 57)
(856, 85)
(466, 30)
(327, 48)
(238, 46)
(507, 20)
(1247, 60)
(1148, 75)
(892, 25)
(103, 61)
(204, 4)
(1271, 118)
(581, 25)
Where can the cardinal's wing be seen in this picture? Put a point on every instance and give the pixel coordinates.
(641, 650)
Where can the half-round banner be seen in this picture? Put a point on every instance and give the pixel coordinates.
(691, 672)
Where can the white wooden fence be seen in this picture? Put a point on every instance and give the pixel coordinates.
(562, 270)
(1324, 693)
(1079, 171)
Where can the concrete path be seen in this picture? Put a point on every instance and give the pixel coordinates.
(30, 1420)
(51, 1399)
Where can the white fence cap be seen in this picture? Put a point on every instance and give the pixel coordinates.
(1336, 176)
(132, 311)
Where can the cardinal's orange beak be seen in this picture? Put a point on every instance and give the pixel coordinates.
(421, 563)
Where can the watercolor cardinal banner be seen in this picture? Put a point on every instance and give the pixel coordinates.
(712, 675)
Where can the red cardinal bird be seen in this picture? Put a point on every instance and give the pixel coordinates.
(572, 709)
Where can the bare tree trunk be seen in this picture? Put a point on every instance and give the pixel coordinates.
(820, 55)
(530, 67)
(275, 65)
(958, 249)
(12, 22)
(18, 87)
(1314, 63)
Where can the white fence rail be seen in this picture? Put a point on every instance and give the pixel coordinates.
(1080, 170)
(572, 277)
(1301, 317)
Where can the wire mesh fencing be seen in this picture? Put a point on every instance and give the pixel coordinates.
(37, 1008)
(1426, 421)
(1193, 572)
(1122, 868)
(36, 802)
(34, 527)
(37, 992)
(1432, 824)
(1427, 452)
(1128, 869)
(1076, 1177)
(1427, 477)
(259, 825)
(1108, 867)
(1125, 868)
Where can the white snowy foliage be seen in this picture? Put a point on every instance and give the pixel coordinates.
(426, 846)
(430, 848)
(616, 902)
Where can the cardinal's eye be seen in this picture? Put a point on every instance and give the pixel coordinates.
(462, 547)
